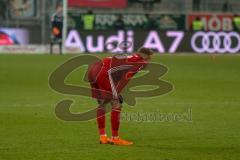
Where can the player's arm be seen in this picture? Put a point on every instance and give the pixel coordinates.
(112, 75)
(52, 20)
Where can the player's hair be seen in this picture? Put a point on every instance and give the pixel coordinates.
(146, 51)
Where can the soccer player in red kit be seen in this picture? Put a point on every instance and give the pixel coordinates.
(107, 79)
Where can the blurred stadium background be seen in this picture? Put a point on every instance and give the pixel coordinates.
(26, 25)
(199, 41)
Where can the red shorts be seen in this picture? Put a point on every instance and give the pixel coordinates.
(99, 81)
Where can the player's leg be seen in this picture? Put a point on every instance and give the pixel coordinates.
(115, 124)
(101, 117)
(53, 41)
(115, 117)
(59, 41)
(60, 47)
(101, 111)
(51, 47)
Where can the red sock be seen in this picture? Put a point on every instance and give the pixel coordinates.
(115, 120)
(101, 120)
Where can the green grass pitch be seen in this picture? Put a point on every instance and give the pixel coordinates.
(208, 85)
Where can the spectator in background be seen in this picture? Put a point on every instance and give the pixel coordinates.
(88, 20)
(197, 24)
(150, 23)
(196, 5)
(236, 23)
(119, 23)
(148, 4)
(226, 7)
(56, 28)
(3, 9)
(27, 8)
(22, 9)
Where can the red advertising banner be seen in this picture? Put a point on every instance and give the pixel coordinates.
(217, 22)
(98, 3)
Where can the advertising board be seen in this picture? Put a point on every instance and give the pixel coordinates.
(162, 42)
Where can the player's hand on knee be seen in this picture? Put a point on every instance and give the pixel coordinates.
(120, 99)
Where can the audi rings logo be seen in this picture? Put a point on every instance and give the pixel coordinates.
(216, 42)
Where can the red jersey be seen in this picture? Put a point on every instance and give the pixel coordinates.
(113, 73)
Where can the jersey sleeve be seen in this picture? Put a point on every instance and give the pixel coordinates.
(122, 69)
(138, 64)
